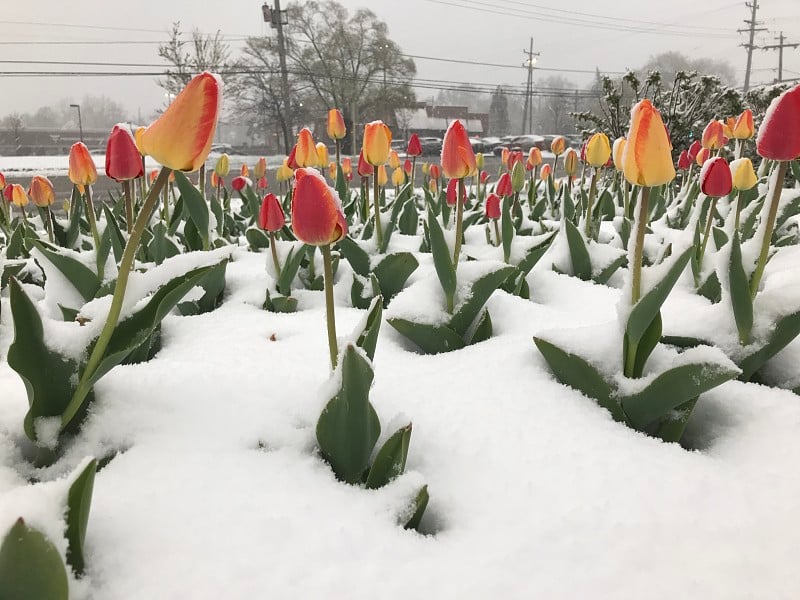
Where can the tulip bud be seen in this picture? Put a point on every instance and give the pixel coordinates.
(41, 191)
(694, 149)
(513, 158)
(598, 150)
(15, 194)
(425, 168)
(458, 158)
(322, 154)
(245, 170)
(617, 153)
(262, 183)
(414, 147)
(484, 177)
(479, 161)
(291, 160)
(239, 183)
(435, 172)
(504, 154)
(394, 159)
(779, 134)
(702, 156)
(647, 158)
(181, 137)
(684, 162)
(743, 128)
(336, 127)
(81, 165)
(2, 181)
(558, 145)
(347, 166)
(408, 167)
(364, 168)
(743, 175)
(398, 177)
(504, 187)
(432, 186)
(223, 165)
(153, 175)
(493, 206)
(317, 216)
(713, 136)
(571, 162)
(518, 177)
(332, 170)
(715, 178)
(260, 169)
(534, 157)
(452, 191)
(123, 161)
(377, 143)
(271, 217)
(383, 177)
(306, 153)
(546, 171)
(284, 172)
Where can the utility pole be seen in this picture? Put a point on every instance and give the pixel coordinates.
(779, 47)
(753, 6)
(527, 113)
(277, 19)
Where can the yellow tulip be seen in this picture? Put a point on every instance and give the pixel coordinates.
(598, 150)
(743, 175)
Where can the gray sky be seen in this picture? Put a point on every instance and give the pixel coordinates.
(568, 35)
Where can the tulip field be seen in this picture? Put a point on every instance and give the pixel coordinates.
(573, 376)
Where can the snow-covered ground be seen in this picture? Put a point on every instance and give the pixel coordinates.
(217, 491)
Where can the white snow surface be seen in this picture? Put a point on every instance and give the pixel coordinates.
(218, 492)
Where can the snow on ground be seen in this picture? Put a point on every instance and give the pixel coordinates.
(217, 491)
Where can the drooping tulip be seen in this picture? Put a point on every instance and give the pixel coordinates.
(322, 155)
(123, 161)
(317, 216)
(223, 165)
(181, 137)
(598, 150)
(270, 216)
(458, 158)
(239, 183)
(336, 127)
(41, 191)
(493, 206)
(684, 162)
(743, 128)
(382, 176)
(364, 168)
(306, 150)
(779, 134)
(647, 159)
(534, 157)
(398, 177)
(617, 153)
(377, 143)
(414, 147)
(743, 176)
(260, 170)
(571, 162)
(558, 145)
(16, 195)
(503, 187)
(715, 178)
(713, 136)
(81, 165)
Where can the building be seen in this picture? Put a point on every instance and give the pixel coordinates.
(432, 121)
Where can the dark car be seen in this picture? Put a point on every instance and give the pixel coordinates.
(430, 145)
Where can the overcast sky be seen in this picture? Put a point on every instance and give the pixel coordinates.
(568, 35)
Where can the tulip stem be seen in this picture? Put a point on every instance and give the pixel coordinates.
(91, 217)
(329, 307)
(638, 248)
(377, 197)
(773, 212)
(126, 190)
(275, 260)
(738, 210)
(592, 192)
(496, 232)
(414, 172)
(338, 158)
(459, 221)
(626, 198)
(202, 180)
(48, 220)
(125, 266)
(709, 220)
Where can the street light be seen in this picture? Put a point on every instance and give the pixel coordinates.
(80, 122)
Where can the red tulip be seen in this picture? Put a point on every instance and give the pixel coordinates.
(452, 186)
(694, 149)
(414, 148)
(493, 206)
(684, 162)
(434, 171)
(123, 160)
(715, 178)
(291, 160)
(239, 183)
(262, 183)
(270, 217)
(407, 167)
(484, 177)
(514, 158)
(364, 168)
(504, 187)
(317, 216)
(458, 159)
(779, 134)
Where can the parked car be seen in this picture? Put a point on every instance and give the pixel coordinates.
(525, 142)
(430, 145)
(478, 145)
(504, 142)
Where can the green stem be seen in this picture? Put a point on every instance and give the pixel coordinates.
(592, 192)
(638, 248)
(626, 198)
(496, 232)
(126, 264)
(413, 172)
(738, 210)
(91, 216)
(126, 190)
(773, 212)
(275, 260)
(459, 221)
(48, 219)
(707, 232)
(329, 307)
(377, 202)
(203, 180)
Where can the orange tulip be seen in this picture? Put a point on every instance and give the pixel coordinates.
(347, 166)
(383, 177)
(598, 150)
(306, 153)
(714, 136)
(260, 169)
(458, 158)
(743, 128)
(546, 171)
(317, 216)
(336, 127)
(727, 127)
(15, 194)
(702, 156)
(153, 175)
(647, 158)
(322, 154)
(41, 191)
(504, 154)
(558, 145)
(2, 181)
(377, 143)
(534, 157)
(617, 152)
(394, 159)
(81, 165)
(180, 139)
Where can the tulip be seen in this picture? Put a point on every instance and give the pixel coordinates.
(317, 219)
(332, 170)
(414, 147)
(382, 177)
(153, 176)
(376, 144)
(727, 127)
(534, 157)
(743, 128)
(240, 182)
(180, 139)
(306, 153)
(262, 183)
(41, 191)
(223, 165)
(513, 158)
(558, 145)
(16, 195)
(702, 156)
(336, 127)
(547, 170)
(435, 172)
(504, 187)
(493, 214)
(484, 177)
(458, 159)
(2, 181)
(123, 163)
(81, 165)
(408, 168)
(260, 170)
(694, 149)
(291, 160)
(744, 178)
(347, 166)
(617, 153)
(450, 194)
(504, 154)
(284, 172)
(398, 177)
(322, 154)
(394, 159)
(598, 150)
(272, 219)
(432, 186)
(479, 161)
(364, 168)
(571, 162)
(713, 136)
(715, 178)
(517, 178)
(424, 168)
(684, 162)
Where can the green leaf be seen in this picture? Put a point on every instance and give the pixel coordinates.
(740, 292)
(367, 338)
(195, 205)
(409, 219)
(393, 272)
(290, 267)
(355, 255)
(441, 258)
(160, 247)
(644, 347)
(431, 339)
(390, 462)
(478, 295)
(214, 285)
(82, 278)
(575, 372)
(73, 232)
(341, 184)
(786, 329)
(648, 306)
(16, 247)
(673, 425)
(419, 505)
(257, 239)
(79, 502)
(483, 329)
(605, 274)
(117, 239)
(671, 389)
(30, 566)
(533, 255)
(348, 426)
(506, 229)
(578, 252)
